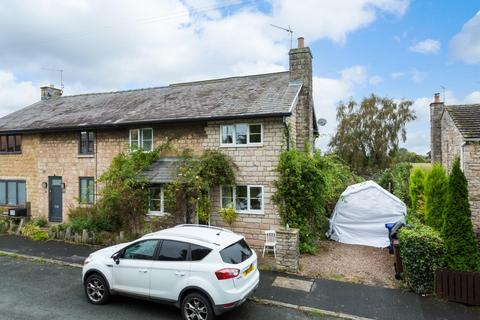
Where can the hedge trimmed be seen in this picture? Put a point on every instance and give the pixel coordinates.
(421, 249)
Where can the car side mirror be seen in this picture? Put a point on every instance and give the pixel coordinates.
(116, 257)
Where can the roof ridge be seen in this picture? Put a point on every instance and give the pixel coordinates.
(178, 84)
(463, 105)
(226, 78)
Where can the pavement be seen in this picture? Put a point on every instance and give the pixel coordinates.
(353, 300)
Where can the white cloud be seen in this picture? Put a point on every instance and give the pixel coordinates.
(427, 46)
(375, 80)
(414, 75)
(333, 19)
(14, 93)
(465, 45)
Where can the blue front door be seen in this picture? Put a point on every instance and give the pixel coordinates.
(55, 199)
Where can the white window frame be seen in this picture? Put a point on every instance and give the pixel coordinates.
(140, 139)
(234, 140)
(249, 210)
(162, 202)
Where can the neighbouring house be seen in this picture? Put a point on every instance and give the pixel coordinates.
(52, 152)
(455, 132)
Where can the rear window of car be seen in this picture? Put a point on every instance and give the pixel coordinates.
(236, 253)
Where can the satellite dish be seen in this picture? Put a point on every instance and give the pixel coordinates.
(321, 122)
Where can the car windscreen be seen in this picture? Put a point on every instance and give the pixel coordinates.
(236, 253)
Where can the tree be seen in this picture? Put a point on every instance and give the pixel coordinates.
(460, 243)
(436, 183)
(417, 195)
(368, 135)
(403, 155)
(396, 180)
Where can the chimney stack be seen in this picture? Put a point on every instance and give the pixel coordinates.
(301, 71)
(48, 92)
(436, 112)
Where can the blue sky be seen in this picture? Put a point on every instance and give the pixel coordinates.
(395, 48)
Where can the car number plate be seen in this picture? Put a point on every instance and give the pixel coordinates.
(250, 269)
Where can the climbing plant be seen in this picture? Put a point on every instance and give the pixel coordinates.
(196, 177)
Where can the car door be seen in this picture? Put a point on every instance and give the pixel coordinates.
(132, 273)
(170, 271)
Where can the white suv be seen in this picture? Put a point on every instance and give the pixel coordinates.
(203, 270)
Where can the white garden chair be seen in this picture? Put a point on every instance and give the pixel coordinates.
(270, 242)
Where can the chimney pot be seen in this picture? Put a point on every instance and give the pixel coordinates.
(436, 98)
(301, 42)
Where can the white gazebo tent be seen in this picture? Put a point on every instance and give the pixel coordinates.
(361, 213)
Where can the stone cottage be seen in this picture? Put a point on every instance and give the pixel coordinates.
(52, 152)
(455, 132)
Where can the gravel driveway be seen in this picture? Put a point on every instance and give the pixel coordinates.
(351, 263)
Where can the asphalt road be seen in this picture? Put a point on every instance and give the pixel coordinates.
(32, 290)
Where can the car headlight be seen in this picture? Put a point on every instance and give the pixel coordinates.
(88, 260)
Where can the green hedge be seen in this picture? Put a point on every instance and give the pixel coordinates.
(421, 249)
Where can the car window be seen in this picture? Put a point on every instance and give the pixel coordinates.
(199, 252)
(236, 253)
(173, 251)
(144, 250)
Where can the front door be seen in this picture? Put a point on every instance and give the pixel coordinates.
(55, 199)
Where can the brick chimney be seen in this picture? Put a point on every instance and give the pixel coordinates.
(436, 111)
(301, 70)
(48, 92)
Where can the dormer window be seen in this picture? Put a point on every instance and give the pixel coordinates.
(242, 134)
(11, 143)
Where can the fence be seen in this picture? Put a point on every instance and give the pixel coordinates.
(458, 286)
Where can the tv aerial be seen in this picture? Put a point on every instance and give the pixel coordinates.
(289, 30)
(60, 71)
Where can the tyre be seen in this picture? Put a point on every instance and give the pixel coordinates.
(196, 306)
(96, 289)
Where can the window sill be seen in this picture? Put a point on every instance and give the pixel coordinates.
(157, 214)
(86, 155)
(4, 153)
(256, 145)
(250, 212)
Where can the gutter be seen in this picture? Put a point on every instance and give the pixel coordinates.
(144, 122)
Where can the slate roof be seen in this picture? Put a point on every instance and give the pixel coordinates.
(163, 170)
(237, 97)
(466, 119)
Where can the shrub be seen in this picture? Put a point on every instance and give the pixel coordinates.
(204, 207)
(436, 183)
(301, 195)
(3, 226)
(421, 249)
(78, 224)
(229, 215)
(338, 176)
(396, 180)
(40, 222)
(40, 235)
(460, 243)
(416, 191)
(34, 232)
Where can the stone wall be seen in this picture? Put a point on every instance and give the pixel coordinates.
(49, 154)
(288, 250)
(452, 141)
(255, 165)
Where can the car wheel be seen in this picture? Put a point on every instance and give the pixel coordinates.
(96, 289)
(196, 306)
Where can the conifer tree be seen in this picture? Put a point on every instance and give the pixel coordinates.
(436, 183)
(460, 243)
